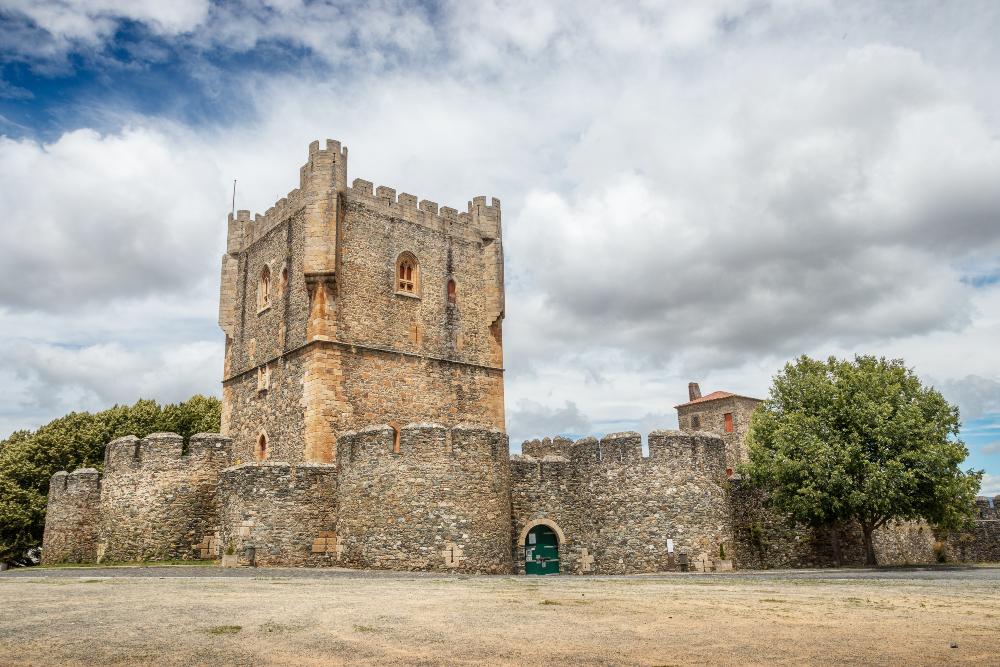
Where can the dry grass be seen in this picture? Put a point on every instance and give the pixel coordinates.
(672, 620)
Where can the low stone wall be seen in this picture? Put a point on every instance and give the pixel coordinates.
(71, 517)
(278, 514)
(764, 540)
(439, 500)
(158, 500)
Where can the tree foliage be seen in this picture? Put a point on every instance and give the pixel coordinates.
(860, 440)
(28, 459)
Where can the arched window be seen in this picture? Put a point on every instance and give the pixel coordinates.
(407, 274)
(264, 289)
(261, 452)
(452, 292)
(284, 280)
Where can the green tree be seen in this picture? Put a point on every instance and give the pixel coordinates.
(28, 459)
(862, 440)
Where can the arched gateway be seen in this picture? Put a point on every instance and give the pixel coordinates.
(541, 549)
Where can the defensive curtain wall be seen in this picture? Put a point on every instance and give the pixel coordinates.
(154, 500)
(422, 497)
(615, 511)
(274, 513)
(71, 517)
(426, 497)
(765, 539)
(322, 334)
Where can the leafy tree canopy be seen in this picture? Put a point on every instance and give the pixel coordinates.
(861, 440)
(28, 459)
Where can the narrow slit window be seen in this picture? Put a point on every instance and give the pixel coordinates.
(264, 288)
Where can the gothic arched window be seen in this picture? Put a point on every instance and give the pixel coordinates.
(407, 274)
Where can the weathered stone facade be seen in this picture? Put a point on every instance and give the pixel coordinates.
(279, 514)
(764, 539)
(425, 498)
(71, 518)
(614, 510)
(323, 337)
(981, 543)
(157, 500)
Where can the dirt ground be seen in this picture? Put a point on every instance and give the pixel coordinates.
(206, 616)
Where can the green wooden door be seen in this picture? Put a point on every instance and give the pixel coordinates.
(541, 551)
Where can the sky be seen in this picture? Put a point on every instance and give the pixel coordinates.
(692, 191)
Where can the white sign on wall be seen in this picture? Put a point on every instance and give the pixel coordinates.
(670, 546)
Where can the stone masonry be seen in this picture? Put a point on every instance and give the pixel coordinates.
(425, 498)
(720, 412)
(71, 519)
(157, 500)
(615, 510)
(363, 413)
(321, 335)
(279, 514)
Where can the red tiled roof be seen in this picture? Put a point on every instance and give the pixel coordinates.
(714, 396)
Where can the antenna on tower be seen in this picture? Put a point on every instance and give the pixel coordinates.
(234, 197)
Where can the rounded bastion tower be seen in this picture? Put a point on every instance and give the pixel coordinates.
(425, 498)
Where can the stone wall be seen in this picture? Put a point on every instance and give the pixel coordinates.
(158, 501)
(980, 543)
(71, 517)
(764, 539)
(433, 499)
(616, 509)
(275, 514)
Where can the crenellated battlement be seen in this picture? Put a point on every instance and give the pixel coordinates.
(165, 449)
(423, 441)
(80, 481)
(697, 450)
(323, 173)
(480, 221)
(71, 517)
(987, 510)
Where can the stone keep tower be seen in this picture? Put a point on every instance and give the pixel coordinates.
(343, 307)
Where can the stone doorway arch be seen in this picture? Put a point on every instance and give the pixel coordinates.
(542, 522)
(542, 541)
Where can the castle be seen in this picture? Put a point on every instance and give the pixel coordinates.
(363, 423)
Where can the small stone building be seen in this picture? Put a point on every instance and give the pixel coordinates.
(720, 412)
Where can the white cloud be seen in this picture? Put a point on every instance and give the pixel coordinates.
(701, 205)
(66, 25)
(990, 486)
(90, 218)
